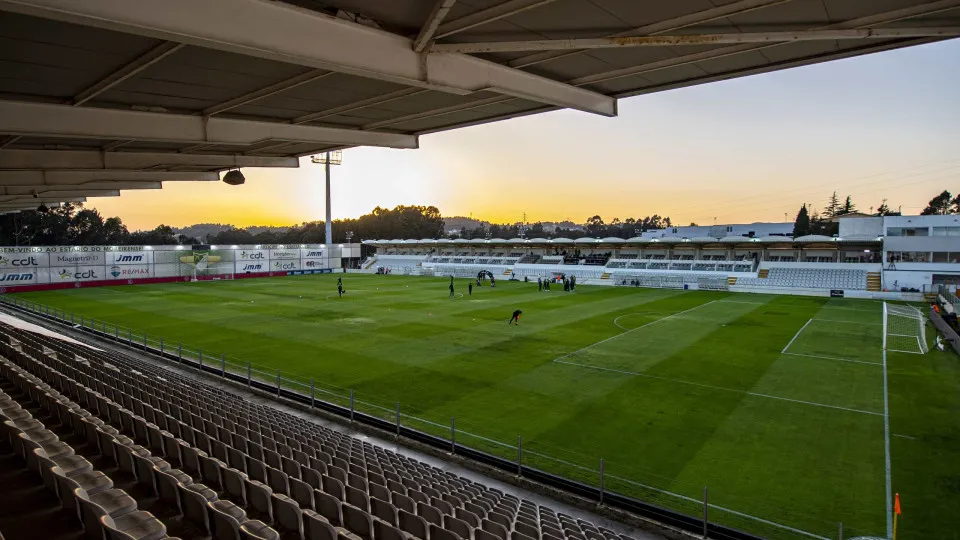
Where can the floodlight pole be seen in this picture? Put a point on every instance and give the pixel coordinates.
(327, 160)
(328, 232)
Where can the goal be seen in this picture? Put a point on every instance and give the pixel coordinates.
(207, 266)
(904, 329)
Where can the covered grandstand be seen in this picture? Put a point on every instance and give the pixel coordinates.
(102, 96)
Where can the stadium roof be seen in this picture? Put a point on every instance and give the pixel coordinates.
(104, 95)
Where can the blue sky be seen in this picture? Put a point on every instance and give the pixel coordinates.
(880, 126)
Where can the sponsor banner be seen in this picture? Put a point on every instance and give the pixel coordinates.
(836, 293)
(246, 267)
(310, 272)
(314, 264)
(129, 257)
(255, 255)
(10, 262)
(128, 271)
(284, 254)
(284, 266)
(77, 273)
(77, 258)
(10, 277)
(312, 253)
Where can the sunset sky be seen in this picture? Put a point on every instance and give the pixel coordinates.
(751, 149)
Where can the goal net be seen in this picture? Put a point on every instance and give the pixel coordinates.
(904, 329)
(208, 265)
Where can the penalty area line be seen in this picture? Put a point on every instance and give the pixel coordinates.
(795, 336)
(701, 385)
(833, 358)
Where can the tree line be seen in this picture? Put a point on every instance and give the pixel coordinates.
(72, 224)
(811, 221)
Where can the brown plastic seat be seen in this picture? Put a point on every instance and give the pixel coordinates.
(138, 525)
(226, 518)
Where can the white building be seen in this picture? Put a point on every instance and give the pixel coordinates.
(917, 250)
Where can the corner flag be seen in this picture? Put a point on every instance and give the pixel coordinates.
(896, 514)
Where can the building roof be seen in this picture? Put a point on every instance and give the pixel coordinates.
(100, 95)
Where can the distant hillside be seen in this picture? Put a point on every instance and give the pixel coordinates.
(457, 223)
(202, 231)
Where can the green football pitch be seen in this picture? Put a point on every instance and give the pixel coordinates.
(777, 404)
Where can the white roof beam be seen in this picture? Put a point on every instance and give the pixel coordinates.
(22, 118)
(56, 196)
(696, 39)
(32, 204)
(137, 65)
(887, 17)
(92, 159)
(440, 10)
(84, 189)
(484, 16)
(659, 27)
(312, 39)
(76, 178)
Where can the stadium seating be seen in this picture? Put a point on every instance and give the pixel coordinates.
(667, 280)
(813, 278)
(210, 463)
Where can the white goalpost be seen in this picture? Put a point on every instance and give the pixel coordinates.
(211, 267)
(904, 329)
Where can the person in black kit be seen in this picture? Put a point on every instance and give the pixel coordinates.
(539, 284)
(470, 288)
(573, 283)
(451, 287)
(339, 289)
(566, 285)
(515, 319)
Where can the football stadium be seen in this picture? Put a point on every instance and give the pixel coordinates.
(733, 381)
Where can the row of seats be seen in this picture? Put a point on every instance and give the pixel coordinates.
(27, 406)
(714, 282)
(290, 474)
(812, 278)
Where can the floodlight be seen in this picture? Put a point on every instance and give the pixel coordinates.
(328, 158)
(234, 177)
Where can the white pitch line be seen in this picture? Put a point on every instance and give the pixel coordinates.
(592, 345)
(795, 336)
(850, 322)
(833, 358)
(904, 436)
(701, 385)
(886, 446)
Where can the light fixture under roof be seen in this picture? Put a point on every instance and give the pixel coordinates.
(234, 177)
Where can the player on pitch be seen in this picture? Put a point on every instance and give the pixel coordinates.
(515, 319)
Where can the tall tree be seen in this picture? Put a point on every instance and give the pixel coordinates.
(801, 225)
(833, 206)
(939, 205)
(594, 226)
(955, 204)
(848, 207)
(883, 209)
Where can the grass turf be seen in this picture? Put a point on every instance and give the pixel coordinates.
(773, 402)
